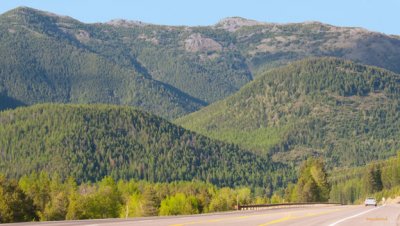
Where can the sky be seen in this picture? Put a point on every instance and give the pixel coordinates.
(376, 15)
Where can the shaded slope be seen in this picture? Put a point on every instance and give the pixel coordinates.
(345, 111)
(40, 63)
(156, 52)
(91, 141)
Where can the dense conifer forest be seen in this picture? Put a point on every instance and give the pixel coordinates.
(346, 112)
(168, 70)
(90, 142)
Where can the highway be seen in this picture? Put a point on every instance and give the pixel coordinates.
(300, 216)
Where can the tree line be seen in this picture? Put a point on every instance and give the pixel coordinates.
(45, 197)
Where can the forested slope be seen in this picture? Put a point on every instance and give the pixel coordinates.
(39, 63)
(344, 111)
(378, 179)
(92, 141)
(168, 70)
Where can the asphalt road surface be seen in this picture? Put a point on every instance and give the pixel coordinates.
(301, 216)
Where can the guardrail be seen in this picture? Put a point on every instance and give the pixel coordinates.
(283, 205)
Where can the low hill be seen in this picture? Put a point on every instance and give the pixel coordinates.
(91, 141)
(344, 111)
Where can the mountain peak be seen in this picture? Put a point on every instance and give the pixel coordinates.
(234, 23)
(27, 11)
(22, 10)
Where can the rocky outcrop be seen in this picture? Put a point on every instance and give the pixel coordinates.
(197, 43)
(234, 23)
(126, 23)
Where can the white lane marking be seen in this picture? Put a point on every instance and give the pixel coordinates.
(359, 214)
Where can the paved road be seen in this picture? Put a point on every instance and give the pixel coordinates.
(306, 216)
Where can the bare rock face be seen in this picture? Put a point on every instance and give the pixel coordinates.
(82, 36)
(126, 23)
(147, 38)
(197, 43)
(232, 24)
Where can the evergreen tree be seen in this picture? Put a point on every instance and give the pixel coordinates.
(150, 202)
(372, 179)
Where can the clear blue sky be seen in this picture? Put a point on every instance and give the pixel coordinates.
(375, 15)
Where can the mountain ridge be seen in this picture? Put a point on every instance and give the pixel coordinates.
(68, 70)
(343, 111)
(181, 66)
(229, 19)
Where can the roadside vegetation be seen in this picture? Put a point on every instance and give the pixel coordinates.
(379, 179)
(39, 196)
(44, 197)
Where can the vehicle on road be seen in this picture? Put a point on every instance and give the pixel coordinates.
(370, 202)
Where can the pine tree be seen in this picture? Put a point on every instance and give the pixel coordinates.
(372, 179)
(150, 202)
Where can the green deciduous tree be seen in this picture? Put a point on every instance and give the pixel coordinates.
(133, 207)
(15, 206)
(312, 185)
(224, 199)
(104, 202)
(37, 187)
(56, 208)
(179, 204)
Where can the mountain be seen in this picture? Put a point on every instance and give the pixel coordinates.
(167, 70)
(40, 63)
(267, 45)
(92, 141)
(346, 112)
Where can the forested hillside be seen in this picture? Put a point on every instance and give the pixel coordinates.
(379, 179)
(84, 110)
(41, 64)
(344, 111)
(89, 142)
(167, 70)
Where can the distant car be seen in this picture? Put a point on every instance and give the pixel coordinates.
(370, 202)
